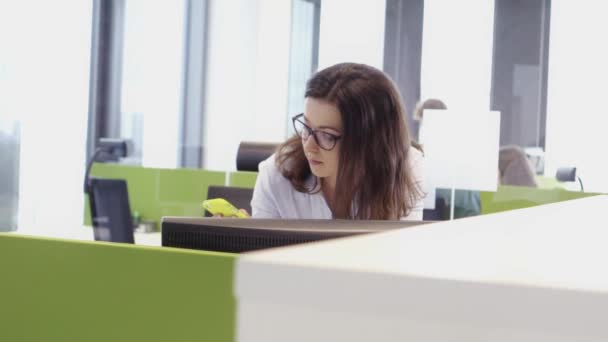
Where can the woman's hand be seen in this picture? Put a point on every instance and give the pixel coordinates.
(243, 211)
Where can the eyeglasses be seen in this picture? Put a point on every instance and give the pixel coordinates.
(326, 141)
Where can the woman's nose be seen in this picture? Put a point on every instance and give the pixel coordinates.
(310, 143)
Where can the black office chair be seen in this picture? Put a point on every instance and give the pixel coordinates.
(110, 210)
(239, 197)
(440, 213)
(250, 154)
(568, 174)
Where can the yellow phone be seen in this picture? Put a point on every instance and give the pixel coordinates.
(219, 206)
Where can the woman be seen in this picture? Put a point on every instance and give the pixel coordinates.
(351, 157)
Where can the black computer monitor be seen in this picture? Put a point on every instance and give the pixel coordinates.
(110, 210)
(243, 235)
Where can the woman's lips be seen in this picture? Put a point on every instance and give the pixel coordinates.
(314, 162)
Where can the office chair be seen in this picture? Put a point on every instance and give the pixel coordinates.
(440, 213)
(240, 197)
(568, 174)
(250, 154)
(110, 210)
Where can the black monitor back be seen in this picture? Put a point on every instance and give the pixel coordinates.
(110, 210)
(235, 235)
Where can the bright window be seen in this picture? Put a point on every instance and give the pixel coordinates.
(457, 52)
(152, 79)
(44, 82)
(576, 115)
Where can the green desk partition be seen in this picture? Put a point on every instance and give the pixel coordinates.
(516, 197)
(160, 192)
(545, 182)
(60, 290)
(242, 179)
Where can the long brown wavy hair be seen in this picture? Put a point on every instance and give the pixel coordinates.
(374, 180)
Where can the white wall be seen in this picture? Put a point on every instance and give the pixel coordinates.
(577, 119)
(246, 90)
(352, 31)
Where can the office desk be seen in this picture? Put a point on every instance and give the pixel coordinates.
(534, 274)
(85, 233)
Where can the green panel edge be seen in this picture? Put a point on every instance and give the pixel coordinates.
(242, 179)
(61, 290)
(517, 197)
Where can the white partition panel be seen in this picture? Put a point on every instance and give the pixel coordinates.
(461, 149)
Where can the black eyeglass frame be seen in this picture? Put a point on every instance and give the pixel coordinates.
(313, 132)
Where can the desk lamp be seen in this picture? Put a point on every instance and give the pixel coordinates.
(108, 149)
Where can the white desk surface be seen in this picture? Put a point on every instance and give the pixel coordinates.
(534, 273)
(85, 233)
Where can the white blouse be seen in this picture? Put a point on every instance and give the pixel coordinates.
(275, 197)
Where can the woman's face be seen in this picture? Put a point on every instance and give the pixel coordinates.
(324, 118)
